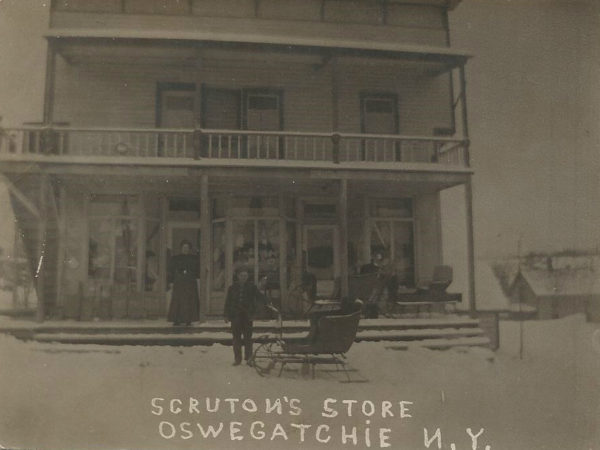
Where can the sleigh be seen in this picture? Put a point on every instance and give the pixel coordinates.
(331, 335)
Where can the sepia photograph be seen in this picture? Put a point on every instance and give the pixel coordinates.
(303, 224)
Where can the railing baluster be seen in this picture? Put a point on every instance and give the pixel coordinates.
(229, 146)
(268, 153)
(219, 146)
(135, 141)
(295, 146)
(59, 142)
(37, 142)
(26, 141)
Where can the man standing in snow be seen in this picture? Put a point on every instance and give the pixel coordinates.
(241, 304)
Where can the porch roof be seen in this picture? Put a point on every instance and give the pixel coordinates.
(443, 58)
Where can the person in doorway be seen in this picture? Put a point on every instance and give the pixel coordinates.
(183, 272)
(375, 266)
(241, 304)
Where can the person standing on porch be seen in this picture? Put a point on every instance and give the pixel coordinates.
(183, 272)
(243, 298)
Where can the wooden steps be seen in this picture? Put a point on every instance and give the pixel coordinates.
(432, 333)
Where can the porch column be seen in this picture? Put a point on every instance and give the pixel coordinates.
(62, 233)
(49, 83)
(468, 195)
(205, 245)
(41, 250)
(334, 95)
(343, 221)
(283, 256)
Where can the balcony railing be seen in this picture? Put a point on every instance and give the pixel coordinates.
(233, 144)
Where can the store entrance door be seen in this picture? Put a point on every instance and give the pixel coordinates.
(322, 256)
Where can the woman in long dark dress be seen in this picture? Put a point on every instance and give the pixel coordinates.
(183, 271)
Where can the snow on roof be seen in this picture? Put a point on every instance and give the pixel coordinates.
(562, 282)
(490, 295)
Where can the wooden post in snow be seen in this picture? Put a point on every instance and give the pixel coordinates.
(468, 196)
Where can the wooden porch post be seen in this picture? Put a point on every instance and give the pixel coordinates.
(163, 255)
(49, 83)
(205, 246)
(343, 221)
(198, 102)
(334, 95)
(41, 249)
(62, 233)
(468, 195)
(283, 256)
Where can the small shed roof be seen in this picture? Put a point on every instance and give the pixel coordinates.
(562, 282)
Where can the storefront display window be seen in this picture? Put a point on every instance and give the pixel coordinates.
(392, 237)
(113, 246)
(256, 245)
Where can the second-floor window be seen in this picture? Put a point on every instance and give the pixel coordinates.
(176, 105)
(379, 115)
(263, 110)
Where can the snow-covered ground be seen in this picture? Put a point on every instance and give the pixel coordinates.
(75, 397)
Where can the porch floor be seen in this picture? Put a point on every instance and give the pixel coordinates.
(438, 331)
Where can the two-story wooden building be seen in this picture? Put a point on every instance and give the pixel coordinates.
(281, 134)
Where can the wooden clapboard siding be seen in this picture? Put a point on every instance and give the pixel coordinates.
(306, 92)
(111, 95)
(336, 19)
(118, 95)
(424, 101)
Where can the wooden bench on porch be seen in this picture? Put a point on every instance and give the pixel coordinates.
(427, 297)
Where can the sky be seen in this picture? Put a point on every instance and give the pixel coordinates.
(534, 114)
